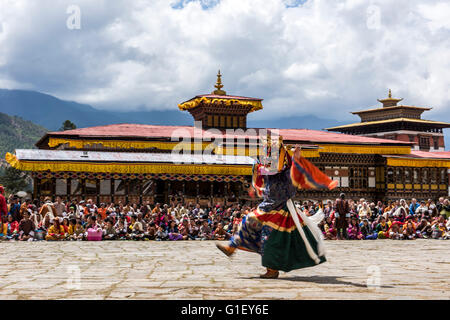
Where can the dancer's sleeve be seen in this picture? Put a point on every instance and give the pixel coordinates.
(305, 175)
(257, 180)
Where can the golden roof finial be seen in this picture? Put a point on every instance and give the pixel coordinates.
(219, 86)
(389, 101)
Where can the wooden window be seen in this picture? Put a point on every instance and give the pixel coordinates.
(105, 187)
(416, 175)
(443, 175)
(433, 175)
(148, 187)
(119, 187)
(436, 143)
(390, 175)
(235, 122)
(91, 187)
(242, 122)
(229, 125)
(407, 175)
(424, 143)
(46, 187)
(61, 187)
(75, 187)
(425, 175)
(399, 175)
(210, 121)
(134, 187)
(216, 121)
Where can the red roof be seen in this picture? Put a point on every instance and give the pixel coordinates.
(435, 155)
(142, 131)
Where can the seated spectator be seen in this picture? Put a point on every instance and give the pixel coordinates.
(220, 234)
(423, 229)
(161, 234)
(26, 228)
(367, 231)
(135, 230)
(174, 234)
(353, 230)
(205, 231)
(395, 231)
(56, 231)
(109, 232)
(78, 232)
(151, 231)
(329, 232)
(382, 229)
(409, 233)
(10, 229)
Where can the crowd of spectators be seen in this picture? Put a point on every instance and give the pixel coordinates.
(397, 220)
(27, 220)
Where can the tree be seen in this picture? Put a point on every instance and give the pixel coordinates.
(14, 180)
(68, 125)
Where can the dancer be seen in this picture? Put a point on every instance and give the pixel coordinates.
(283, 235)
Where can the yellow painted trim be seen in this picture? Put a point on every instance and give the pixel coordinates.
(443, 187)
(138, 168)
(121, 144)
(368, 123)
(256, 105)
(391, 186)
(417, 186)
(425, 186)
(364, 149)
(399, 186)
(419, 163)
(408, 186)
(434, 187)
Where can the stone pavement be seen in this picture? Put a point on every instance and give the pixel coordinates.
(417, 269)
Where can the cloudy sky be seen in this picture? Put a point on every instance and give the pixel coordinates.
(321, 57)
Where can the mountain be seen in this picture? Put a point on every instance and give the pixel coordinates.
(50, 112)
(16, 133)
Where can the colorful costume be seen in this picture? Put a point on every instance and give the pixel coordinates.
(285, 237)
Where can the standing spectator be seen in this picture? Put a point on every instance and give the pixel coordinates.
(60, 207)
(341, 214)
(445, 209)
(413, 206)
(3, 206)
(14, 209)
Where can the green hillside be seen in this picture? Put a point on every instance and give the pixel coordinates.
(16, 133)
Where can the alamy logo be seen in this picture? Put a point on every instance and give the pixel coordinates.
(73, 22)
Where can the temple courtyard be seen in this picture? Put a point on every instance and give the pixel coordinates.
(381, 269)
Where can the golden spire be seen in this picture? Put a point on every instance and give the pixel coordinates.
(389, 101)
(219, 86)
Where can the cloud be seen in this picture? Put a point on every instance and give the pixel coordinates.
(319, 57)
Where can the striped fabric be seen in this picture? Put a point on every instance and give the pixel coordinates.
(305, 175)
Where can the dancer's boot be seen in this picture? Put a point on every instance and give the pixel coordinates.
(270, 274)
(228, 250)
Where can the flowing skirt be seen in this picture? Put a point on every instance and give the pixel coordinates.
(275, 236)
